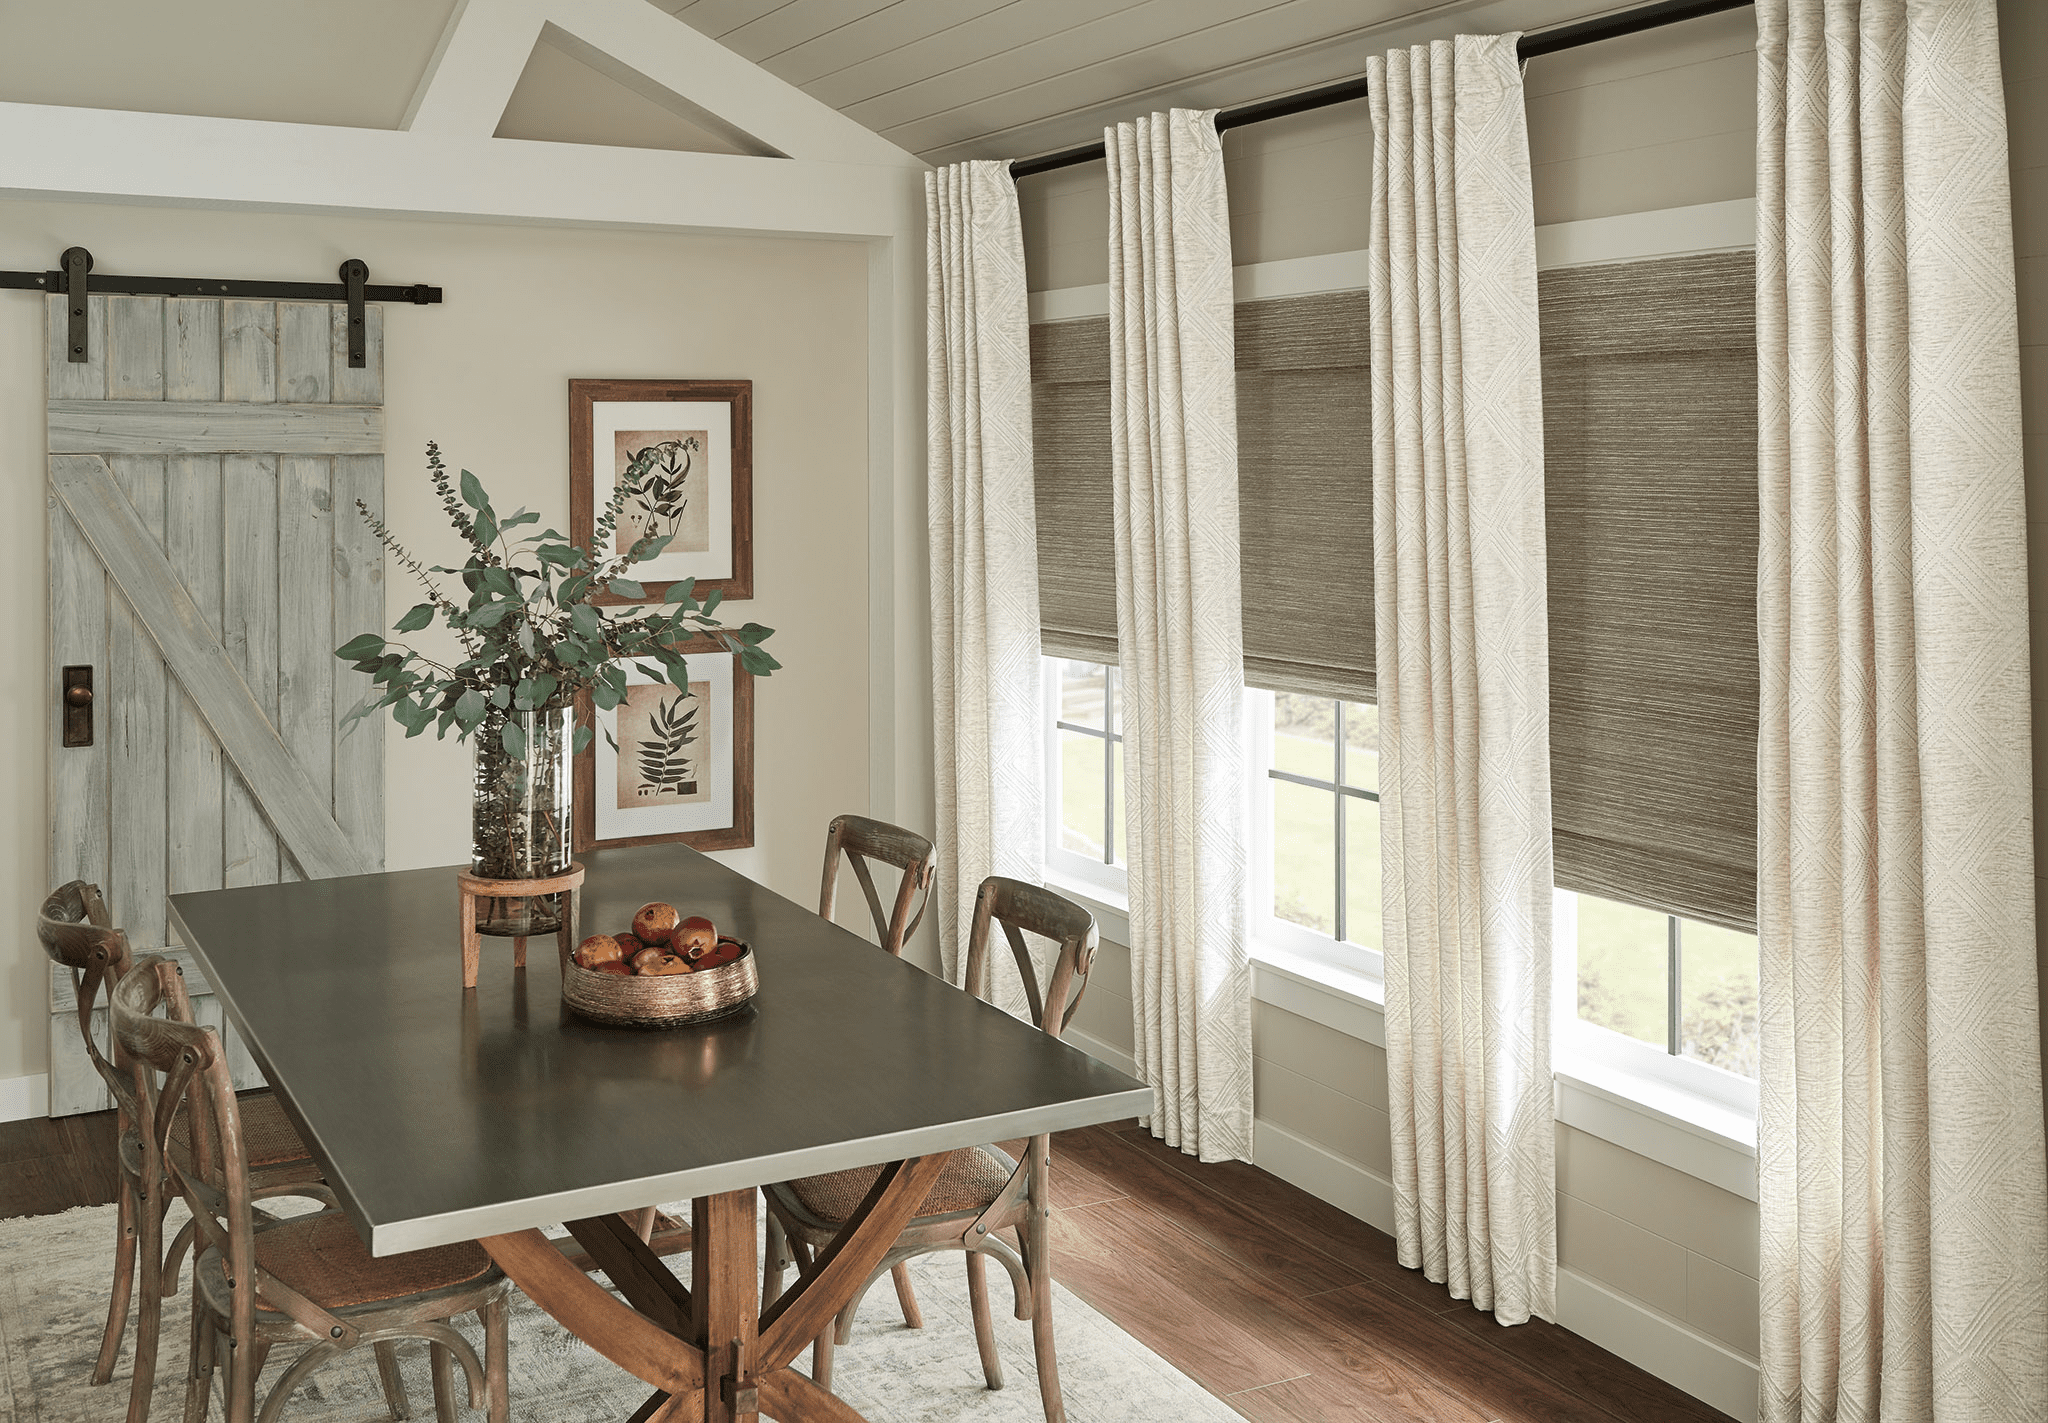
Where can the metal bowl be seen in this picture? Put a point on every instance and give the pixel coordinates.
(673, 1000)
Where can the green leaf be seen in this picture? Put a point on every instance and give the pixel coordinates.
(626, 588)
(585, 620)
(499, 581)
(491, 614)
(680, 591)
(605, 695)
(469, 708)
(473, 492)
(522, 695)
(522, 517)
(582, 739)
(416, 617)
(486, 527)
(357, 648)
(501, 696)
(544, 687)
(757, 661)
(514, 740)
(754, 633)
(713, 599)
(573, 589)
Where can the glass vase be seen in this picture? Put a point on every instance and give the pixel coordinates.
(520, 819)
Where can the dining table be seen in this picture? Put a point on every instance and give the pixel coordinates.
(440, 1114)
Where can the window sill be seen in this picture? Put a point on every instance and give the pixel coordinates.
(1703, 1136)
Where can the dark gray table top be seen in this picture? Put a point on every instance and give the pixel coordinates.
(441, 1116)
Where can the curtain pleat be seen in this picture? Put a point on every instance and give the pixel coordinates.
(1462, 667)
(990, 749)
(1173, 424)
(1900, 1154)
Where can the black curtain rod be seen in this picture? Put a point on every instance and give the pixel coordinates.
(1563, 37)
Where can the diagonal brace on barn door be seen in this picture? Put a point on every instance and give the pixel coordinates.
(294, 806)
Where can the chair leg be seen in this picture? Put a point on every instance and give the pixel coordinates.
(393, 1381)
(913, 1317)
(843, 1329)
(443, 1364)
(245, 1366)
(984, 1324)
(199, 1372)
(124, 1284)
(1036, 1234)
(497, 1360)
(771, 1262)
(642, 1222)
(821, 1359)
(149, 1317)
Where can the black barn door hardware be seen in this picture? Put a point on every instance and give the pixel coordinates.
(354, 288)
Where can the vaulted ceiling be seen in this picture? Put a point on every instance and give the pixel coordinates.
(946, 79)
(953, 79)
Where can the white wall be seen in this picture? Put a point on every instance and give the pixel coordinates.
(486, 374)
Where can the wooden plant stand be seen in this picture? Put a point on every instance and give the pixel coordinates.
(471, 888)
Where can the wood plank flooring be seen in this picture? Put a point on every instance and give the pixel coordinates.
(1284, 1306)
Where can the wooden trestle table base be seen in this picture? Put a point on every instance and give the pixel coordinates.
(708, 1350)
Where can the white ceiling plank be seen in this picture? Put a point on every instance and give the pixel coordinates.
(714, 79)
(990, 38)
(719, 18)
(474, 69)
(1061, 113)
(1119, 51)
(768, 34)
(904, 22)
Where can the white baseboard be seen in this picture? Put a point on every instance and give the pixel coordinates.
(24, 1097)
(1624, 1327)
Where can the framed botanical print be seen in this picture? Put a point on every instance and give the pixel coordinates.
(699, 493)
(669, 765)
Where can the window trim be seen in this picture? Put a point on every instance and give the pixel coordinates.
(1098, 876)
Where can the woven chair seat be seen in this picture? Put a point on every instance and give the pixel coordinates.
(973, 1178)
(267, 1133)
(323, 1258)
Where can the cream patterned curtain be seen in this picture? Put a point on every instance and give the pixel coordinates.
(1901, 1181)
(984, 548)
(1173, 423)
(1463, 668)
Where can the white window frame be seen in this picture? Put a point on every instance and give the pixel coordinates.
(1062, 864)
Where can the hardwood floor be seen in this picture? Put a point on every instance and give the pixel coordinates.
(1287, 1308)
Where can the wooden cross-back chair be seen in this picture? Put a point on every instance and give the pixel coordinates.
(259, 1281)
(860, 840)
(77, 931)
(981, 1192)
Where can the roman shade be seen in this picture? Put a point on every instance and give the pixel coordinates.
(1304, 442)
(1649, 396)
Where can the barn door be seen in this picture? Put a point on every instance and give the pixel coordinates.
(205, 560)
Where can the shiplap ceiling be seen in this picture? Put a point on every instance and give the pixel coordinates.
(954, 79)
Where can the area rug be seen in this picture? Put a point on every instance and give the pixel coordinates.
(55, 1270)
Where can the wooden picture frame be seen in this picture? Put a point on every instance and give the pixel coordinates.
(714, 524)
(721, 815)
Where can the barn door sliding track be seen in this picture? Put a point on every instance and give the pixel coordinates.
(72, 279)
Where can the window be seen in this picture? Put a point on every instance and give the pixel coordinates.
(1085, 807)
(1686, 988)
(1316, 841)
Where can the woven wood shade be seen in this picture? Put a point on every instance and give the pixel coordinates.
(1649, 394)
(1304, 406)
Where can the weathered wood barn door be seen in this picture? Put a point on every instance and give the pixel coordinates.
(205, 560)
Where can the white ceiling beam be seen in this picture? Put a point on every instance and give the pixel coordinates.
(487, 43)
(474, 69)
(51, 151)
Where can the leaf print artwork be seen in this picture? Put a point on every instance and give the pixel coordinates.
(672, 502)
(664, 743)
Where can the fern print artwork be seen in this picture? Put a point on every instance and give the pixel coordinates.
(664, 746)
(671, 501)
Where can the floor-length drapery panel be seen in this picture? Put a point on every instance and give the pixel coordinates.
(990, 749)
(1463, 671)
(1904, 1208)
(1173, 421)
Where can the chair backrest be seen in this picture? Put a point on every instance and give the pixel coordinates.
(1025, 908)
(862, 840)
(76, 931)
